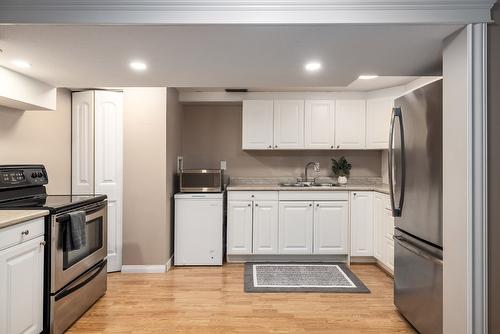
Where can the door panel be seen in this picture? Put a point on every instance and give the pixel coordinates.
(288, 124)
(421, 212)
(239, 227)
(257, 130)
(331, 220)
(82, 142)
(378, 118)
(319, 124)
(109, 166)
(295, 227)
(21, 288)
(362, 223)
(350, 124)
(265, 227)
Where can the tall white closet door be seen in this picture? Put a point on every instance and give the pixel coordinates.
(82, 143)
(109, 167)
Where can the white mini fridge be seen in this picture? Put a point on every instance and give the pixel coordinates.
(198, 230)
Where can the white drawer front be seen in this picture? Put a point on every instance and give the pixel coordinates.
(313, 195)
(16, 234)
(252, 195)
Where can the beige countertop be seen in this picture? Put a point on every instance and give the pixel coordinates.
(12, 217)
(358, 184)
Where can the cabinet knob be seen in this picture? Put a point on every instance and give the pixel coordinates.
(331, 146)
(338, 146)
(354, 194)
(42, 243)
(253, 195)
(256, 204)
(25, 232)
(310, 205)
(275, 146)
(317, 205)
(249, 204)
(270, 146)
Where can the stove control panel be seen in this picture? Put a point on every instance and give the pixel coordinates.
(15, 176)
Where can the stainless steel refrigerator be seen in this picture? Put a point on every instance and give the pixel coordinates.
(415, 177)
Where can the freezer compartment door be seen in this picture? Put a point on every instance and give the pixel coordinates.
(418, 283)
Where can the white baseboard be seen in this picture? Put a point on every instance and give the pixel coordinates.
(144, 269)
(148, 269)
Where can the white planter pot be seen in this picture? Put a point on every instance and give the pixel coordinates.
(342, 179)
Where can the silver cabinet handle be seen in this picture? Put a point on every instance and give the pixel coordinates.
(25, 232)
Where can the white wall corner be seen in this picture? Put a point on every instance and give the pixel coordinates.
(170, 261)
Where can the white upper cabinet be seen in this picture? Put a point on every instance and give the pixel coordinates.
(350, 124)
(331, 221)
(362, 223)
(288, 124)
(319, 124)
(265, 227)
(257, 129)
(378, 117)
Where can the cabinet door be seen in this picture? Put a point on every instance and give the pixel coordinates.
(378, 118)
(82, 142)
(239, 227)
(257, 127)
(330, 227)
(295, 227)
(109, 167)
(319, 124)
(21, 288)
(350, 124)
(265, 227)
(389, 253)
(362, 223)
(378, 226)
(288, 124)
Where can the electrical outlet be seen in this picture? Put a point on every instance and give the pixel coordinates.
(223, 165)
(180, 164)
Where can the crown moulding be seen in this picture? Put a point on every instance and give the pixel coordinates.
(245, 11)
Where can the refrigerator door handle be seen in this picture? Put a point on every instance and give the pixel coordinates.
(418, 251)
(396, 211)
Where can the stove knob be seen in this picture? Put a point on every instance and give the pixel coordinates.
(33, 175)
(39, 174)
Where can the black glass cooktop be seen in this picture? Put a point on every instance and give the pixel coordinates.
(53, 203)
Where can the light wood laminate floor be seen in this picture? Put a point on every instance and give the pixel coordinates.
(211, 300)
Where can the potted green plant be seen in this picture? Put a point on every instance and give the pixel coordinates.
(341, 168)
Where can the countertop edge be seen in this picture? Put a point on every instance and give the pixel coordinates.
(381, 189)
(13, 217)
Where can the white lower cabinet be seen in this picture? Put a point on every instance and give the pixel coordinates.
(361, 223)
(21, 286)
(265, 227)
(383, 230)
(239, 227)
(331, 221)
(295, 227)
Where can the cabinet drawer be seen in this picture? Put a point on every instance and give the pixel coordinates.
(252, 196)
(313, 195)
(16, 234)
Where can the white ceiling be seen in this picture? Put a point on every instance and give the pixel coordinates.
(223, 55)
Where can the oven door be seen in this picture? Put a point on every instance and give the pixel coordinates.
(68, 265)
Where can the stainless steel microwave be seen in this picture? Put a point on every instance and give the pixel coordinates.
(201, 180)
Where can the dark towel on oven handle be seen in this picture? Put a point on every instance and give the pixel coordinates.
(75, 233)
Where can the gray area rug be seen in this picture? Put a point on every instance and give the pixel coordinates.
(302, 277)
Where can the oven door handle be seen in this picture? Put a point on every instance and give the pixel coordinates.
(95, 209)
(76, 286)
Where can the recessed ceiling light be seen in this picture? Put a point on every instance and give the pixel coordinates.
(21, 63)
(138, 65)
(368, 76)
(313, 66)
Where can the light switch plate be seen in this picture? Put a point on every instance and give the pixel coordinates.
(223, 165)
